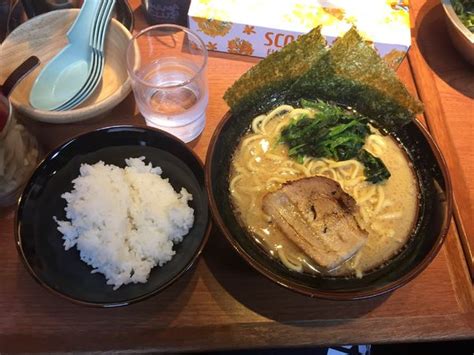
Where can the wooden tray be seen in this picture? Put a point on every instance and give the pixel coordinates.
(437, 65)
(223, 303)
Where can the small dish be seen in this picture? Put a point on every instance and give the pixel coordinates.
(40, 244)
(44, 36)
(462, 38)
(432, 225)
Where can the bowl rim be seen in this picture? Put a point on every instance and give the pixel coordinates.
(454, 19)
(38, 279)
(82, 113)
(332, 295)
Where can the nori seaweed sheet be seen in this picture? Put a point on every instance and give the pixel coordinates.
(266, 84)
(353, 74)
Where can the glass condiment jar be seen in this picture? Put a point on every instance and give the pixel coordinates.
(166, 11)
(19, 155)
(18, 148)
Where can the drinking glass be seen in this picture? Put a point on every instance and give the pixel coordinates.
(167, 64)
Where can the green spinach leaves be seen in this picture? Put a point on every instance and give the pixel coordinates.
(333, 133)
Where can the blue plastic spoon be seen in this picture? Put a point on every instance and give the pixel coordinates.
(69, 70)
(97, 43)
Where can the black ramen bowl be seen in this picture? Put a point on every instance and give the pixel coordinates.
(40, 244)
(426, 239)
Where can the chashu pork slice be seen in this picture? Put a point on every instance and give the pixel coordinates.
(318, 216)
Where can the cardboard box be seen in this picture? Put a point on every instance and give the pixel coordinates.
(260, 27)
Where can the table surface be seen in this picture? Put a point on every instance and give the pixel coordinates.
(222, 303)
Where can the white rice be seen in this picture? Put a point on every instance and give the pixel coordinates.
(124, 221)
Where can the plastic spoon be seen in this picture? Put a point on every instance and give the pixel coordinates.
(70, 69)
(97, 43)
(95, 61)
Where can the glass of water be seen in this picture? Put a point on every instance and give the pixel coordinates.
(167, 64)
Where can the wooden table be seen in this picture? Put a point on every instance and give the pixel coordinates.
(223, 303)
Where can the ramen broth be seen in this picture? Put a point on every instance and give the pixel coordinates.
(387, 210)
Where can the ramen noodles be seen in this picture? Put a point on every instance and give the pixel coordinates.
(387, 211)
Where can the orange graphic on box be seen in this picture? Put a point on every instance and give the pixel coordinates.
(394, 58)
(334, 12)
(249, 30)
(398, 4)
(212, 27)
(239, 46)
(211, 46)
